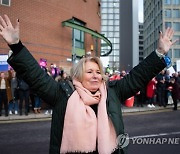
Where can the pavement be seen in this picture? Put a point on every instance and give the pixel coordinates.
(125, 111)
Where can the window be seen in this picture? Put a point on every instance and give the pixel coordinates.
(5, 2)
(176, 2)
(176, 13)
(176, 53)
(168, 13)
(167, 24)
(78, 35)
(167, 2)
(177, 38)
(176, 26)
(169, 54)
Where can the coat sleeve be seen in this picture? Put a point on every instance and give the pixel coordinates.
(27, 67)
(138, 77)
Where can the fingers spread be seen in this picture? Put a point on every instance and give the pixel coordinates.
(7, 20)
(3, 23)
(166, 33)
(1, 27)
(171, 33)
(175, 41)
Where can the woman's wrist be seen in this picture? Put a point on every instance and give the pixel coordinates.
(16, 48)
(160, 53)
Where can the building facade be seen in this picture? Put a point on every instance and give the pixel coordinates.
(42, 31)
(110, 27)
(120, 25)
(158, 15)
(141, 42)
(129, 32)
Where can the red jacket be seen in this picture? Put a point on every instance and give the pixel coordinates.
(151, 87)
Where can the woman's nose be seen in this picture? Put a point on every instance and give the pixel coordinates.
(94, 75)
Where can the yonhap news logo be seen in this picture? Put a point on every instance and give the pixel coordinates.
(124, 140)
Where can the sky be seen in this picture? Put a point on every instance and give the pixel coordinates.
(140, 14)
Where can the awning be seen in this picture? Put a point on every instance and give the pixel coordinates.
(69, 23)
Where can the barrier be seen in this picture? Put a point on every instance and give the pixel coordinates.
(129, 102)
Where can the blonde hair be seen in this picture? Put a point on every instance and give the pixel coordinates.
(79, 68)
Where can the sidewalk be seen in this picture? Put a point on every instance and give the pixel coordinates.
(42, 116)
(126, 110)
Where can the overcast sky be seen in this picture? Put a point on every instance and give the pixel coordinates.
(141, 16)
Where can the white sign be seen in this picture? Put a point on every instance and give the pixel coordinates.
(3, 63)
(178, 65)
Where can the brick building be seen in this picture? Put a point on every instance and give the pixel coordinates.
(42, 31)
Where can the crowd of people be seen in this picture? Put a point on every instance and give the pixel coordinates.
(162, 90)
(15, 93)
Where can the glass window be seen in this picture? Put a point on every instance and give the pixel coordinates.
(116, 22)
(104, 22)
(177, 38)
(116, 10)
(103, 4)
(169, 54)
(5, 2)
(176, 13)
(116, 46)
(176, 26)
(167, 2)
(115, 4)
(110, 22)
(110, 4)
(103, 10)
(110, 10)
(116, 28)
(104, 16)
(110, 16)
(104, 28)
(175, 2)
(168, 24)
(116, 34)
(176, 53)
(110, 34)
(168, 13)
(116, 16)
(78, 35)
(110, 28)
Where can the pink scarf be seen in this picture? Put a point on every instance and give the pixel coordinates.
(82, 129)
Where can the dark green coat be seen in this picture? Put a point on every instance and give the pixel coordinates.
(51, 92)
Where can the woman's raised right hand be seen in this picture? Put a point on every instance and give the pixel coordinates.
(9, 33)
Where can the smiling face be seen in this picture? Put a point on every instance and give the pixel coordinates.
(92, 77)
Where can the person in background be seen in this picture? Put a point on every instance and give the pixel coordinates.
(88, 119)
(123, 73)
(13, 105)
(150, 92)
(115, 76)
(161, 89)
(24, 91)
(175, 91)
(5, 93)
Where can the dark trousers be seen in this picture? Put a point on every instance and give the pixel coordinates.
(3, 99)
(24, 95)
(174, 101)
(161, 96)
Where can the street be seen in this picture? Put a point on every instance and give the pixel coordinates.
(33, 136)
